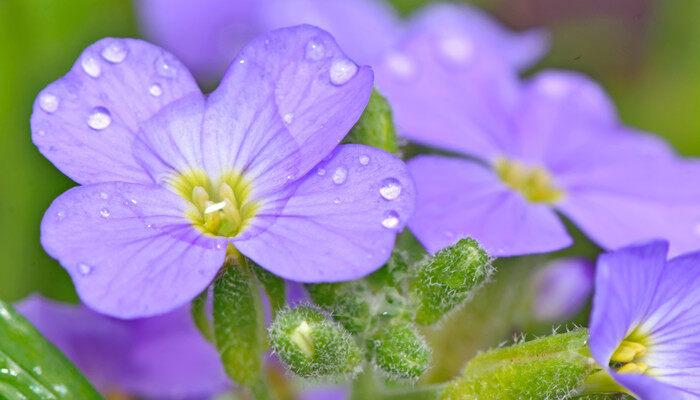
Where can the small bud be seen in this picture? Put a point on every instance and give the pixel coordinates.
(376, 125)
(400, 351)
(447, 279)
(310, 345)
(346, 302)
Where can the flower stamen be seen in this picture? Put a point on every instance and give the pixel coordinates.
(534, 183)
(629, 357)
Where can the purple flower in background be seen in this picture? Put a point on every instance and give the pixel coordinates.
(163, 357)
(170, 177)
(325, 393)
(207, 34)
(645, 323)
(553, 144)
(561, 288)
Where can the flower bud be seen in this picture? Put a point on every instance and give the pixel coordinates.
(400, 351)
(346, 302)
(376, 125)
(311, 345)
(447, 279)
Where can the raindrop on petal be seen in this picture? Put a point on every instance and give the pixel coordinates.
(364, 159)
(315, 50)
(391, 189)
(288, 117)
(84, 269)
(165, 68)
(155, 90)
(104, 213)
(336, 201)
(104, 195)
(91, 66)
(339, 175)
(321, 172)
(391, 220)
(342, 71)
(99, 118)
(115, 52)
(61, 215)
(48, 102)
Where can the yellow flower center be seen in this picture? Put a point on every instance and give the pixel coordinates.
(218, 208)
(533, 183)
(630, 354)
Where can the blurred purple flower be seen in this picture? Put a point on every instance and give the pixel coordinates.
(325, 393)
(553, 144)
(170, 177)
(645, 323)
(561, 288)
(207, 35)
(163, 357)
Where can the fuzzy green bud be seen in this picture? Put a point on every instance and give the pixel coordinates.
(376, 125)
(446, 280)
(552, 367)
(311, 345)
(400, 351)
(346, 302)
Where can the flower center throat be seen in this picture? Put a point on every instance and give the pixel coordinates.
(534, 183)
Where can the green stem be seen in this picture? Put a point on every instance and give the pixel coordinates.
(198, 309)
(601, 382)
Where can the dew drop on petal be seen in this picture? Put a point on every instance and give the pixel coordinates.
(457, 49)
(364, 159)
(91, 66)
(155, 90)
(391, 220)
(321, 172)
(61, 215)
(104, 213)
(288, 117)
(342, 71)
(84, 269)
(99, 118)
(336, 201)
(134, 201)
(114, 52)
(391, 189)
(315, 50)
(48, 102)
(241, 61)
(165, 68)
(339, 175)
(104, 195)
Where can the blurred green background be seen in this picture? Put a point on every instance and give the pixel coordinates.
(646, 53)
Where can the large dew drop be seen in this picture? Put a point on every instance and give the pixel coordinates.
(48, 102)
(155, 90)
(315, 50)
(391, 220)
(114, 52)
(342, 71)
(340, 175)
(391, 189)
(91, 66)
(99, 118)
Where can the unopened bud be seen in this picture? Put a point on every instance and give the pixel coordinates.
(346, 302)
(400, 351)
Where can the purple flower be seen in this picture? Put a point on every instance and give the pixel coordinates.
(561, 288)
(325, 393)
(207, 34)
(171, 177)
(645, 323)
(551, 145)
(163, 357)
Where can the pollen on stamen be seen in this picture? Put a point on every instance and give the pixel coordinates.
(534, 183)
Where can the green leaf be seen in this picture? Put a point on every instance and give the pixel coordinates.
(198, 309)
(239, 325)
(552, 367)
(376, 125)
(32, 368)
(273, 285)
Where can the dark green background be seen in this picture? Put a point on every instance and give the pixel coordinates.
(646, 53)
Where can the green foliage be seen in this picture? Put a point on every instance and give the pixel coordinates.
(32, 368)
(399, 351)
(376, 126)
(311, 345)
(273, 285)
(446, 280)
(198, 309)
(347, 303)
(552, 367)
(239, 325)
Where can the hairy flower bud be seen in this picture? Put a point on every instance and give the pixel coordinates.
(447, 279)
(346, 302)
(400, 351)
(376, 125)
(311, 345)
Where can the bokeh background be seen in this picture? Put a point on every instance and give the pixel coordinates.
(645, 52)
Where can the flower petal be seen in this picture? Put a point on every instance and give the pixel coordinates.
(562, 288)
(129, 248)
(648, 388)
(341, 221)
(457, 198)
(86, 121)
(451, 94)
(296, 77)
(519, 49)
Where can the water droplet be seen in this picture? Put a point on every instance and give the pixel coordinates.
(339, 175)
(105, 213)
(104, 195)
(342, 71)
(400, 64)
(321, 172)
(149, 226)
(241, 61)
(91, 66)
(61, 215)
(155, 90)
(114, 52)
(219, 246)
(84, 269)
(391, 220)
(48, 102)
(165, 67)
(37, 370)
(315, 50)
(99, 118)
(288, 117)
(391, 189)
(134, 201)
(41, 132)
(336, 201)
(457, 49)
(364, 159)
